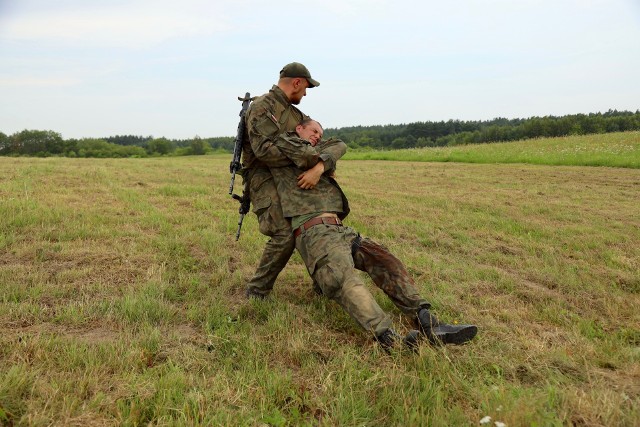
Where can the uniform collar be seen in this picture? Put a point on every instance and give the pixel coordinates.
(280, 95)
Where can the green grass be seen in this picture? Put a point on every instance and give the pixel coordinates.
(121, 298)
(614, 150)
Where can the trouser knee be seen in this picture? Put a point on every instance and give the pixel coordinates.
(329, 280)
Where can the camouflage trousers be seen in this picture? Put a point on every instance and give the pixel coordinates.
(272, 223)
(327, 253)
(389, 274)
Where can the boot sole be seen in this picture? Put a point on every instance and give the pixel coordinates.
(460, 337)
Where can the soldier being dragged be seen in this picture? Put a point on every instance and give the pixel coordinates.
(316, 206)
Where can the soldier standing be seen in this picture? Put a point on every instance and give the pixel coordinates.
(268, 116)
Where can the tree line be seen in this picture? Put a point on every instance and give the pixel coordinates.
(45, 143)
(411, 135)
(457, 132)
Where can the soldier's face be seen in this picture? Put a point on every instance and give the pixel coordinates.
(300, 86)
(311, 132)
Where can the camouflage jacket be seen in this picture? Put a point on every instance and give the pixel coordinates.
(268, 116)
(327, 196)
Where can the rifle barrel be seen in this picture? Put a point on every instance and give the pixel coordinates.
(239, 227)
(233, 180)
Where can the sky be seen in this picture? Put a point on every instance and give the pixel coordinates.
(174, 68)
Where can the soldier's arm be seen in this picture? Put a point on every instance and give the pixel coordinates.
(330, 151)
(298, 151)
(305, 156)
(263, 129)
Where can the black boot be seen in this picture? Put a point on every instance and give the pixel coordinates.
(389, 339)
(442, 333)
(412, 339)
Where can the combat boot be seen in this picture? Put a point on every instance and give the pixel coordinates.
(443, 333)
(390, 339)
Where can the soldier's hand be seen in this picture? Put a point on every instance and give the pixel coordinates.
(307, 180)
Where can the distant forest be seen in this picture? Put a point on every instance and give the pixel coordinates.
(388, 137)
(457, 132)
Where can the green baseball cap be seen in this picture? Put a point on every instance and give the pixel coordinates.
(296, 69)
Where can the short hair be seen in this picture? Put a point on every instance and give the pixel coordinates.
(304, 122)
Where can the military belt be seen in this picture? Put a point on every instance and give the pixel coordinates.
(328, 220)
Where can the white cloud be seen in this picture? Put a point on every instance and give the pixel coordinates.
(134, 24)
(37, 82)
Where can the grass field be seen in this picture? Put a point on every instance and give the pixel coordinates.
(121, 299)
(614, 149)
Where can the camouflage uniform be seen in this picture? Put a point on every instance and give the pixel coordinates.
(327, 195)
(268, 116)
(332, 252)
(389, 274)
(326, 251)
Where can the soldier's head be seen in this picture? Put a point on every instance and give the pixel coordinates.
(294, 81)
(310, 130)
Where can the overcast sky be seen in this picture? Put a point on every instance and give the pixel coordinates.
(175, 68)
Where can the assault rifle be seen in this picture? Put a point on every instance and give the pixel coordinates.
(236, 166)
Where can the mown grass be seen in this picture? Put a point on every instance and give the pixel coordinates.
(121, 299)
(615, 150)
